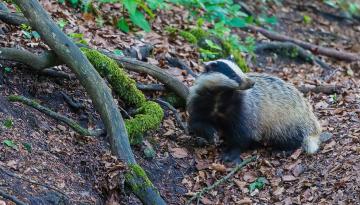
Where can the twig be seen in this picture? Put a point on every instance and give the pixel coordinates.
(291, 47)
(222, 180)
(11, 198)
(150, 87)
(71, 123)
(57, 74)
(173, 61)
(326, 89)
(175, 112)
(71, 102)
(315, 49)
(11, 174)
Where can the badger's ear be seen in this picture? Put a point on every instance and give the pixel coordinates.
(231, 58)
(210, 66)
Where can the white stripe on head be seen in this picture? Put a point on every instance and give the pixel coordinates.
(234, 67)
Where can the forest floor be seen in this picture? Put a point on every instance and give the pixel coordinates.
(50, 153)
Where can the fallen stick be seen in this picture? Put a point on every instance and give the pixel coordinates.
(338, 54)
(326, 89)
(173, 61)
(222, 180)
(150, 87)
(11, 198)
(289, 46)
(175, 112)
(71, 123)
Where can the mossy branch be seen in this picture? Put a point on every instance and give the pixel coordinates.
(71, 123)
(149, 114)
(220, 181)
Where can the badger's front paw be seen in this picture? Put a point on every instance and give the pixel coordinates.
(232, 155)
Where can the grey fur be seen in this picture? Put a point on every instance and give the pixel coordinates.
(272, 112)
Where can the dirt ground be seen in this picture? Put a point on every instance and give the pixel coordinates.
(83, 169)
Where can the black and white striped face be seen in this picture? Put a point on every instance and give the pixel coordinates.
(230, 70)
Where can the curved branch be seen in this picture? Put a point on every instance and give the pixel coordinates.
(96, 87)
(71, 123)
(137, 66)
(12, 18)
(341, 55)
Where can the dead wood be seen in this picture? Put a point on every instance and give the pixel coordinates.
(292, 49)
(97, 89)
(150, 87)
(11, 198)
(315, 49)
(175, 112)
(326, 89)
(220, 181)
(176, 62)
(12, 18)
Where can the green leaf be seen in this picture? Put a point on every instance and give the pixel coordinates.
(130, 5)
(212, 45)
(307, 19)
(149, 152)
(76, 35)
(237, 22)
(118, 52)
(259, 183)
(27, 34)
(74, 3)
(61, 1)
(271, 20)
(62, 23)
(10, 144)
(139, 19)
(122, 25)
(36, 35)
(7, 69)
(27, 146)
(8, 123)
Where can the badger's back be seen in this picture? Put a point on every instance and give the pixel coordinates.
(285, 118)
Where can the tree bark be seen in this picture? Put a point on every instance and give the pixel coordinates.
(96, 87)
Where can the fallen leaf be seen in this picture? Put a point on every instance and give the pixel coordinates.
(178, 153)
(288, 178)
(218, 167)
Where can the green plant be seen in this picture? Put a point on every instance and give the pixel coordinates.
(352, 7)
(28, 32)
(8, 123)
(10, 143)
(78, 38)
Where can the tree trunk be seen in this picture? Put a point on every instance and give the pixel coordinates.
(97, 89)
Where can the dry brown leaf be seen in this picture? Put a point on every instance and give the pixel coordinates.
(178, 153)
(288, 178)
(218, 167)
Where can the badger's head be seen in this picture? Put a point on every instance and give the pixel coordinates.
(224, 73)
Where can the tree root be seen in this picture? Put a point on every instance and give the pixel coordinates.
(293, 50)
(150, 87)
(326, 89)
(11, 174)
(173, 61)
(71, 123)
(11, 198)
(238, 167)
(175, 112)
(338, 54)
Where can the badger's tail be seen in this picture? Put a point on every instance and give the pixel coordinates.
(311, 144)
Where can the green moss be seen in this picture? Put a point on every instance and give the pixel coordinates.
(122, 85)
(149, 114)
(135, 174)
(188, 37)
(174, 100)
(148, 117)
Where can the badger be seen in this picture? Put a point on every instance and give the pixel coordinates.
(247, 110)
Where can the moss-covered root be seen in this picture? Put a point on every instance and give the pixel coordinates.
(122, 85)
(141, 185)
(149, 114)
(74, 125)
